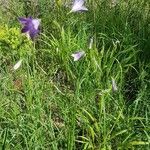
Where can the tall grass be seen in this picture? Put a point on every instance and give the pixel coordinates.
(52, 102)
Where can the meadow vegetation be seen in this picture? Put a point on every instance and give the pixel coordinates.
(52, 102)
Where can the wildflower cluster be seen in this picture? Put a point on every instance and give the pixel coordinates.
(31, 30)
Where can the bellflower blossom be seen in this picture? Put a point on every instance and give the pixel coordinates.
(91, 43)
(114, 85)
(30, 26)
(17, 65)
(78, 55)
(78, 5)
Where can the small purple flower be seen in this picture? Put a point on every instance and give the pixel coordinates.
(31, 26)
(78, 55)
(78, 5)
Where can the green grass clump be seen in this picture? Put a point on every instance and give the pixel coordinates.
(52, 102)
(13, 46)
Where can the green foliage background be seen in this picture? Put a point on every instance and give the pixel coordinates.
(52, 102)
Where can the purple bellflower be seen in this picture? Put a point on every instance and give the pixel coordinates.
(78, 6)
(30, 26)
(78, 55)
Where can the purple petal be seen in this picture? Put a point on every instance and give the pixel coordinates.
(25, 29)
(36, 23)
(78, 55)
(33, 33)
(23, 20)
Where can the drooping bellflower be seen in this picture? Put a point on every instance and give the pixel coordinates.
(17, 65)
(91, 43)
(78, 55)
(114, 85)
(30, 26)
(78, 6)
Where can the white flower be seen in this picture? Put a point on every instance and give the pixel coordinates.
(78, 5)
(114, 3)
(17, 65)
(78, 55)
(114, 85)
(91, 43)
